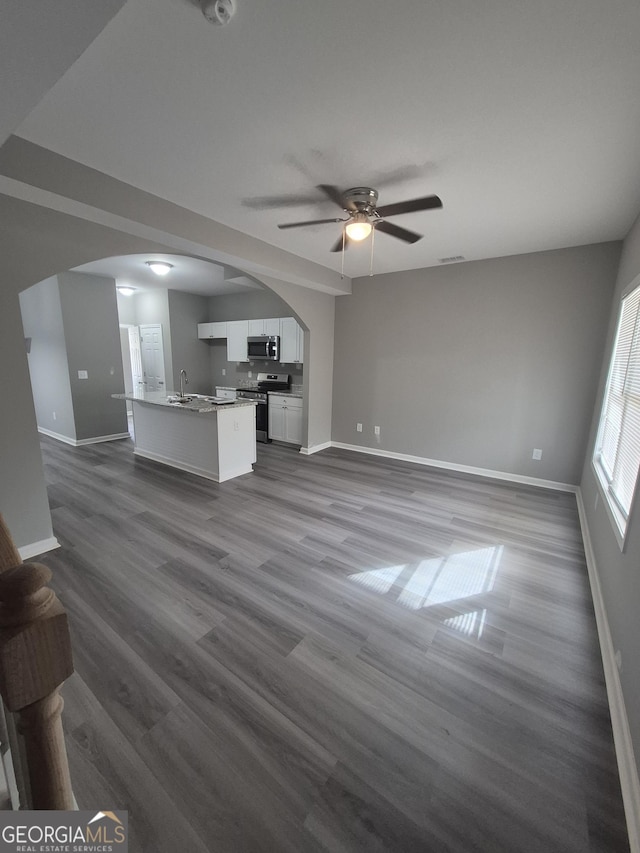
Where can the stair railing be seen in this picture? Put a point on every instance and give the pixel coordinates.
(35, 660)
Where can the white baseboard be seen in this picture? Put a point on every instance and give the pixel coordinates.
(98, 439)
(316, 448)
(116, 436)
(28, 551)
(464, 469)
(627, 767)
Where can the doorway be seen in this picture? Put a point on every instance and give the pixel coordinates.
(152, 357)
(142, 361)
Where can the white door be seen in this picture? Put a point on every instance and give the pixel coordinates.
(152, 353)
(135, 358)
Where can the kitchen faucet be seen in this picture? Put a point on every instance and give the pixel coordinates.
(183, 381)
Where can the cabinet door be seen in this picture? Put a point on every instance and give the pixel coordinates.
(293, 424)
(237, 334)
(289, 341)
(300, 344)
(270, 326)
(276, 422)
(212, 330)
(218, 330)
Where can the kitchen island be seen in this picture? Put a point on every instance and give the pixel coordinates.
(195, 434)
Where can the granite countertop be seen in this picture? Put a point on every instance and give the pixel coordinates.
(294, 391)
(287, 393)
(198, 403)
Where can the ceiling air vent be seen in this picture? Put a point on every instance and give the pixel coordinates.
(452, 260)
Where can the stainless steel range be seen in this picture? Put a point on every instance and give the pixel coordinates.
(265, 382)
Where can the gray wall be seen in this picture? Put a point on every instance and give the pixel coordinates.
(619, 572)
(72, 321)
(48, 367)
(252, 305)
(23, 496)
(186, 310)
(126, 309)
(476, 364)
(92, 337)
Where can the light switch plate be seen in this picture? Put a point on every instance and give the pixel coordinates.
(83, 374)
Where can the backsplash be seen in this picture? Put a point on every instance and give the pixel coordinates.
(237, 374)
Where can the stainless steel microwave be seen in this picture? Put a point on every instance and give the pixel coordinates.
(264, 347)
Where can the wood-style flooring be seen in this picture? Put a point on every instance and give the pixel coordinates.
(334, 653)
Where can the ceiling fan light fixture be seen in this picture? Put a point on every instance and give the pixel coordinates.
(359, 227)
(159, 267)
(125, 290)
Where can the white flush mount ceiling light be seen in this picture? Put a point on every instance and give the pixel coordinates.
(126, 291)
(159, 267)
(359, 227)
(218, 11)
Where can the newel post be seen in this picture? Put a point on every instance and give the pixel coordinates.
(35, 660)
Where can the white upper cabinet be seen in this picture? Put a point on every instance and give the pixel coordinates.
(237, 334)
(237, 331)
(264, 327)
(212, 330)
(291, 341)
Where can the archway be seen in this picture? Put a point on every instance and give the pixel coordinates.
(39, 242)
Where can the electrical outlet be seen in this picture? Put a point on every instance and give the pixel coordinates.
(236, 426)
(537, 454)
(224, 371)
(83, 374)
(358, 427)
(249, 374)
(55, 417)
(376, 430)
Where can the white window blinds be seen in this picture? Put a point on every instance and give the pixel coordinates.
(617, 449)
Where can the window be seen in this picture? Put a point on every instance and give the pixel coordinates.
(616, 455)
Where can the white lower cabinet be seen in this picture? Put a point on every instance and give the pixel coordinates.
(285, 418)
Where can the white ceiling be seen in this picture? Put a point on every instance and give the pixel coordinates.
(191, 275)
(524, 117)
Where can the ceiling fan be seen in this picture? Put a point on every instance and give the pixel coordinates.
(363, 214)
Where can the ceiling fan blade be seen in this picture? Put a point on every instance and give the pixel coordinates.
(332, 193)
(401, 233)
(429, 202)
(266, 202)
(309, 222)
(337, 246)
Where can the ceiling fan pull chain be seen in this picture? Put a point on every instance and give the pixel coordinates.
(342, 267)
(373, 231)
